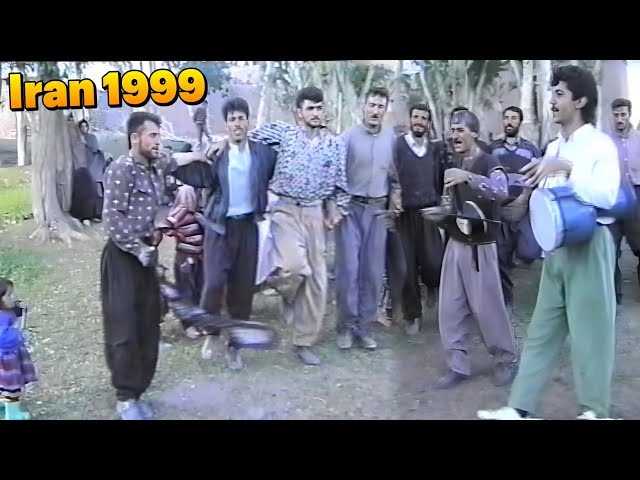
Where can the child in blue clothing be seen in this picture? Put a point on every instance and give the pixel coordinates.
(16, 368)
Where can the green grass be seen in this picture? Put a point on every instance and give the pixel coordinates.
(15, 195)
(23, 267)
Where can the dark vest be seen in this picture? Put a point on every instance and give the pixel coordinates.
(420, 177)
(483, 165)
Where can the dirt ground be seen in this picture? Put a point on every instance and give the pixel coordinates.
(394, 382)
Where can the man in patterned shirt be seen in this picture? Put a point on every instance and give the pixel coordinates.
(310, 182)
(134, 188)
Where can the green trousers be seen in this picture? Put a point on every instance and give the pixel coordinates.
(576, 297)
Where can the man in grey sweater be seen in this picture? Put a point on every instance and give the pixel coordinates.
(360, 239)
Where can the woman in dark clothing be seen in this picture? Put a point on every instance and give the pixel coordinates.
(87, 196)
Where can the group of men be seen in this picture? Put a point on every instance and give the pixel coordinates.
(368, 186)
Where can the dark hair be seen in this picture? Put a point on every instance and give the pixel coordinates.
(513, 108)
(431, 133)
(581, 83)
(621, 102)
(313, 94)
(83, 121)
(419, 106)
(137, 119)
(378, 92)
(5, 286)
(466, 118)
(236, 104)
(459, 108)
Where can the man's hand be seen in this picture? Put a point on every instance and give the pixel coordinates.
(215, 150)
(395, 202)
(332, 220)
(388, 218)
(148, 256)
(156, 238)
(540, 168)
(455, 176)
(333, 216)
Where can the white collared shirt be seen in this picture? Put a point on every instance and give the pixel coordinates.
(240, 195)
(595, 170)
(420, 149)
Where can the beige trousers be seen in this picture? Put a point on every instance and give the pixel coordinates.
(301, 270)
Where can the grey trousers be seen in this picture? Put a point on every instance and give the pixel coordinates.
(359, 268)
(468, 293)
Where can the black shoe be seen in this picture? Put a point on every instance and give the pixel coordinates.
(450, 380)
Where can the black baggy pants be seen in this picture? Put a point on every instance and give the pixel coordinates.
(131, 310)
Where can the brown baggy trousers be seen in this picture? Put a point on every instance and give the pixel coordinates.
(299, 248)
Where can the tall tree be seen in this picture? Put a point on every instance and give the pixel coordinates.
(53, 152)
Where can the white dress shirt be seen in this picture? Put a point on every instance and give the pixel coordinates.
(595, 170)
(240, 195)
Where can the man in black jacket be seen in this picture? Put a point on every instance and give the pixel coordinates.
(238, 178)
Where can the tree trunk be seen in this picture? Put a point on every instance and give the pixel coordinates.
(527, 98)
(264, 92)
(22, 137)
(597, 73)
(436, 120)
(367, 85)
(614, 83)
(53, 161)
(547, 128)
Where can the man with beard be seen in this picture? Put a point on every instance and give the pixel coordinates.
(576, 297)
(360, 242)
(238, 180)
(311, 185)
(627, 139)
(134, 189)
(470, 282)
(514, 152)
(421, 174)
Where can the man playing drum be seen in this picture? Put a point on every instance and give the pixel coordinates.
(470, 286)
(576, 295)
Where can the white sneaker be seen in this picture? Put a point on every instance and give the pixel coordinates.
(591, 415)
(504, 413)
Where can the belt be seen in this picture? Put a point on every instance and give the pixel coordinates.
(300, 203)
(367, 200)
(244, 216)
